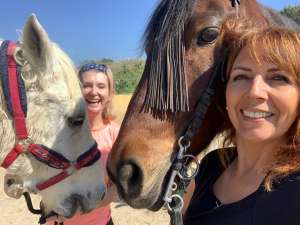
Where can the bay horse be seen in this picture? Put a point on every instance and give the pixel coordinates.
(46, 145)
(180, 43)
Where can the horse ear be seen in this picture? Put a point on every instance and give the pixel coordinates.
(36, 45)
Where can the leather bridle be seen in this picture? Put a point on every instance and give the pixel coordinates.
(16, 102)
(181, 173)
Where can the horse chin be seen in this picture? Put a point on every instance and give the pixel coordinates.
(72, 205)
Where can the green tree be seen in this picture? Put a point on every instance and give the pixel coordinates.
(127, 75)
(293, 12)
(106, 60)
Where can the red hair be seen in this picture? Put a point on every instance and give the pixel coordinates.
(280, 46)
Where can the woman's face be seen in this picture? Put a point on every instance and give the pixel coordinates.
(262, 100)
(95, 90)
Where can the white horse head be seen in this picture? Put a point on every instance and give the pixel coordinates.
(55, 118)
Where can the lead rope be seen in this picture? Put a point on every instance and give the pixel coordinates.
(43, 218)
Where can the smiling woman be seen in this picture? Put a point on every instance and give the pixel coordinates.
(257, 180)
(97, 86)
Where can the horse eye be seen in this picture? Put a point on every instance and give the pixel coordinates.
(208, 35)
(75, 121)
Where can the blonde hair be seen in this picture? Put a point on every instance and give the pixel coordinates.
(277, 45)
(107, 114)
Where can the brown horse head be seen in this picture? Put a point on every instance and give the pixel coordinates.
(180, 42)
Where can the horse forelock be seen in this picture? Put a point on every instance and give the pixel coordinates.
(164, 37)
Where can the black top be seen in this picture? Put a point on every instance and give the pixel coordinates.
(278, 207)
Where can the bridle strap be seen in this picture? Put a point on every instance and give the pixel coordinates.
(174, 198)
(13, 88)
(12, 155)
(205, 99)
(86, 159)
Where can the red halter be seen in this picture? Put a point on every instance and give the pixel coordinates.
(15, 96)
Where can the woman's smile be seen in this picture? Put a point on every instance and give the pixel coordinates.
(262, 100)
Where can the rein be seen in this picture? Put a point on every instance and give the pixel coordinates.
(16, 102)
(181, 172)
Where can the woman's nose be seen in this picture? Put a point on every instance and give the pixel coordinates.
(258, 88)
(94, 90)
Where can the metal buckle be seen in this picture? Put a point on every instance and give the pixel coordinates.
(190, 167)
(172, 186)
(177, 201)
(26, 142)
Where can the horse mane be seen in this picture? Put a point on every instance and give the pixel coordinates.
(163, 40)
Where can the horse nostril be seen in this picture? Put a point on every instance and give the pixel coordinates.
(130, 177)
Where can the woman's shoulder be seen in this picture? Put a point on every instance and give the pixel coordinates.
(113, 129)
(214, 159)
(282, 203)
(113, 124)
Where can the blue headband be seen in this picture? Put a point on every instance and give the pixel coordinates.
(93, 66)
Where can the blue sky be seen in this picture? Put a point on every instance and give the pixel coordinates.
(90, 29)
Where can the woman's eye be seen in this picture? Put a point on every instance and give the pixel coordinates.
(240, 77)
(280, 77)
(86, 87)
(101, 86)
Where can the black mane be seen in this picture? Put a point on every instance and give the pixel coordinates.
(166, 87)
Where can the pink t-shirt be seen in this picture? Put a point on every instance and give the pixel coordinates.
(99, 216)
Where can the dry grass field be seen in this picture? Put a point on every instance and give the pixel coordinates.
(120, 103)
(14, 212)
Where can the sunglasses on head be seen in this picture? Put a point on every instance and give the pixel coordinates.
(93, 66)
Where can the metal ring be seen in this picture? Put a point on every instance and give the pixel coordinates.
(181, 145)
(26, 142)
(178, 204)
(174, 186)
(185, 176)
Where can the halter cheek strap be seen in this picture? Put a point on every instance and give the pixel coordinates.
(13, 88)
(14, 93)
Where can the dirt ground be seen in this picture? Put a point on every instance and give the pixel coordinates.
(14, 212)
